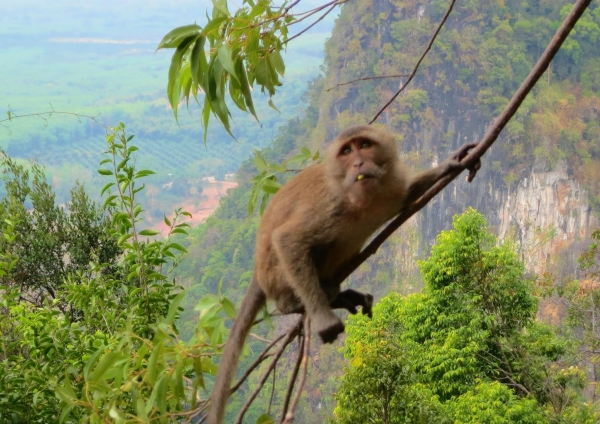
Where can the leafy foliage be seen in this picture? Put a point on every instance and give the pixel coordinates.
(104, 346)
(465, 350)
(243, 49)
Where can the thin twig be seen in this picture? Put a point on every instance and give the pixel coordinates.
(309, 13)
(289, 416)
(272, 389)
(259, 338)
(414, 71)
(367, 79)
(290, 389)
(477, 152)
(193, 413)
(314, 23)
(45, 116)
(264, 355)
(290, 337)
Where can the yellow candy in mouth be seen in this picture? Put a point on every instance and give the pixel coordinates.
(360, 177)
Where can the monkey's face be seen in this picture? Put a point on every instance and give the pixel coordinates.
(363, 163)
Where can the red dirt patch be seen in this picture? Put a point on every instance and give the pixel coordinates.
(208, 204)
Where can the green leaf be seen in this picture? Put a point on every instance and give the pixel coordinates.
(174, 82)
(259, 162)
(221, 5)
(228, 307)
(224, 55)
(177, 247)
(198, 60)
(152, 362)
(270, 186)
(144, 173)
(175, 36)
(265, 419)
(277, 61)
(106, 187)
(103, 365)
(199, 373)
(104, 171)
(91, 362)
(148, 232)
(160, 388)
(206, 302)
(245, 85)
(273, 105)
(173, 307)
(213, 24)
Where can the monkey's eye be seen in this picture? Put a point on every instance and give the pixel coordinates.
(365, 144)
(346, 151)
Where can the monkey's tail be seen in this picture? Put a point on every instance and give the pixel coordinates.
(253, 300)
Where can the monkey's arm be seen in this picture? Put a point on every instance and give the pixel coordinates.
(423, 181)
(292, 244)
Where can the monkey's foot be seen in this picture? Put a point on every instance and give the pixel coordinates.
(351, 299)
(328, 327)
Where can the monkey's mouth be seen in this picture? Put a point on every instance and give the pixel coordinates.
(361, 177)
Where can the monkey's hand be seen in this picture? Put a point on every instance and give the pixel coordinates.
(460, 155)
(328, 326)
(350, 299)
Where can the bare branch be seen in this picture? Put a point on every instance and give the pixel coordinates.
(315, 22)
(289, 417)
(290, 389)
(414, 71)
(289, 338)
(475, 154)
(47, 115)
(264, 355)
(367, 79)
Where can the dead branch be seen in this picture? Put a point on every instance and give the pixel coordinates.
(45, 116)
(264, 355)
(290, 389)
(288, 339)
(367, 79)
(414, 71)
(289, 416)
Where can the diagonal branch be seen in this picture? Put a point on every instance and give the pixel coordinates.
(471, 159)
(416, 68)
(341, 84)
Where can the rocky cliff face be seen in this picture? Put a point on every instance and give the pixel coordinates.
(549, 216)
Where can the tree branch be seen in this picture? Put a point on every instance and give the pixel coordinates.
(290, 389)
(471, 159)
(367, 79)
(290, 336)
(264, 355)
(414, 71)
(289, 416)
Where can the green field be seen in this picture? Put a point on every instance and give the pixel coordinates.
(99, 60)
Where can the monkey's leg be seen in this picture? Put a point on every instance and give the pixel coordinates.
(349, 299)
(294, 256)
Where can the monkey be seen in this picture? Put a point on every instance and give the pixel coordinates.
(314, 224)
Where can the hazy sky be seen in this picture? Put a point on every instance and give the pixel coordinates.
(38, 33)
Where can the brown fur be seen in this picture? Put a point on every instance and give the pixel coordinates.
(314, 224)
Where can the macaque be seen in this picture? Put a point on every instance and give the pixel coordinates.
(316, 223)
